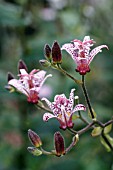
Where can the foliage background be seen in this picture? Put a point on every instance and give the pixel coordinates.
(25, 27)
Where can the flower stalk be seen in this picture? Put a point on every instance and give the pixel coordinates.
(87, 97)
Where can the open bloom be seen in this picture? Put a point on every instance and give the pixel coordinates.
(29, 84)
(62, 109)
(80, 53)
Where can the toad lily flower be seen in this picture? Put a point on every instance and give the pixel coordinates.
(62, 109)
(80, 53)
(29, 84)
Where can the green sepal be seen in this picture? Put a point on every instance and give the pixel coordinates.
(96, 131)
(107, 129)
(34, 151)
(45, 63)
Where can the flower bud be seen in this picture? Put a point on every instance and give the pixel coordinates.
(22, 65)
(47, 51)
(34, 138)
(45, 63)
(34, 151)
(75, 139)
(56, 53)
(10, 76)
(59, 144)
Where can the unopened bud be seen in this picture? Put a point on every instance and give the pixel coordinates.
(56, 53)
(34, 151)
(45, 63)
(34, 138)
(59, 144)
(10, 76)
(47, 51)
(22, 65)
(75, 139)
(76, 99)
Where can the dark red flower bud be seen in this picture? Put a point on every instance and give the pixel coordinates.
(10, 76)
(47, 51)
(59, 144)
(56, 53)
(34, 138)
(22, 65)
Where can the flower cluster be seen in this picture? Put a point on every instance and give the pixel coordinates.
(62, 108)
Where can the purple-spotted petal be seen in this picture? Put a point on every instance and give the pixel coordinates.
(18, 85)
(96, 51)
(58, 97)
(72, 49)
(71, 100)
(48, 116)
(79, 107)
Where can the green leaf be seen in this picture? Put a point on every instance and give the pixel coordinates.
(107, 129)
(96, 131)
(110, 139)
(105, 144)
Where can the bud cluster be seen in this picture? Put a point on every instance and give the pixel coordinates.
(59, 144)
(53, 55)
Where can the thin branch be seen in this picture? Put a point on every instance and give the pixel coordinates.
(67, 74)
(82, 118)
(87, 97)
(108, 123)
(43, 108)
(85, 129)
(72, 131)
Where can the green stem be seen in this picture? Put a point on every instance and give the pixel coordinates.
(87, 97)
(58, 67)
(43, 108)
(46, 152)
(72, 131)
(82, 118)
(85, 129)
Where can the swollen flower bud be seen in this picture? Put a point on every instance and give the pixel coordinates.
(22, 65)
(47, 51)
(59, 144)
(10, 76)
(75, 139)
(34, 138)
(34, 151)
(45, 63)
(56, 53)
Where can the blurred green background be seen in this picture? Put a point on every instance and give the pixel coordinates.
(25, 27)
